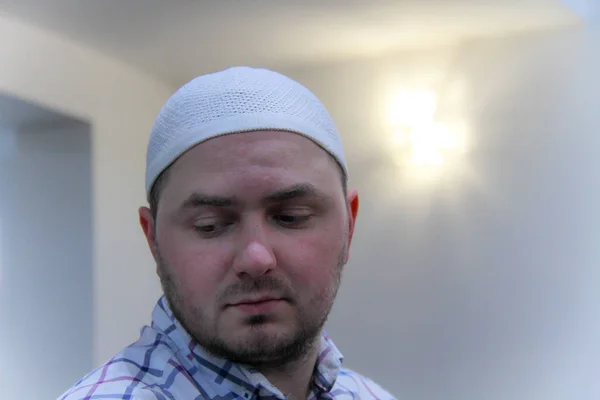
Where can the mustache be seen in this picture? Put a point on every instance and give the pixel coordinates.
(263, 284)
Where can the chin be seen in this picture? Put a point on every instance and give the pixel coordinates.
(261, 331)
(266, 343)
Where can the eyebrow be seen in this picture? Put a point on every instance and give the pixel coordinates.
(302, 190)
(196, 200)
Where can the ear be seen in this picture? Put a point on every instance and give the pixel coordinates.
(352, 201)
(148, 227)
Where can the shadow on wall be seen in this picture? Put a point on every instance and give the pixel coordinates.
(45, 250)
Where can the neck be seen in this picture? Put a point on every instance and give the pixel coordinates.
(294, 378)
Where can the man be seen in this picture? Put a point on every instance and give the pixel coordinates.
(250, 223)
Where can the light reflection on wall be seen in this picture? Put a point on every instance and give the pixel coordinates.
(422, 146)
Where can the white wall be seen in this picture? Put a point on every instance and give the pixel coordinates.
(8, 142)
(45, 260)
(485, 285)
(586, 9)
(120, 104)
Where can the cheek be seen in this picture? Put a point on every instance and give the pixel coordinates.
(312, 261)
(196, 270)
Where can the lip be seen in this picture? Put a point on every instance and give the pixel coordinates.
(254, 300)
(257, 305)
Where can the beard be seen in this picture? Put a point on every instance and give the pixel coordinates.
(257, 348)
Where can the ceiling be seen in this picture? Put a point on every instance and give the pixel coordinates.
(176, 41)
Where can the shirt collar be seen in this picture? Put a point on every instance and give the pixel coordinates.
(329, 361)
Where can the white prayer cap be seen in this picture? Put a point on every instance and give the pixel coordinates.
(238, 99)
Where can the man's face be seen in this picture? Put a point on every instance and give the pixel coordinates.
(250, 238)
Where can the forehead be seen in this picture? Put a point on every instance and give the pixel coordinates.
(253, 161)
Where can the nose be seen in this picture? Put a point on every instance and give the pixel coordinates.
(255, 258)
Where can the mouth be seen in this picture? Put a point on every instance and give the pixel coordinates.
(257, 305)
(254, 300)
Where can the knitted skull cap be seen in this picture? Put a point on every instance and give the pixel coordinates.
(234, 100)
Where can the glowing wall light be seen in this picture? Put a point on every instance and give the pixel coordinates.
(421, 140)
(410, 108)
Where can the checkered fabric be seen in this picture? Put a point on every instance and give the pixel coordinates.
(166, 363)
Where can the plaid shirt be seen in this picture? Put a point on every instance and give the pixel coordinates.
(166, 363)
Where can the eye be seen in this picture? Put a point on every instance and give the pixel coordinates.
(291, 220)
(211, 229)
